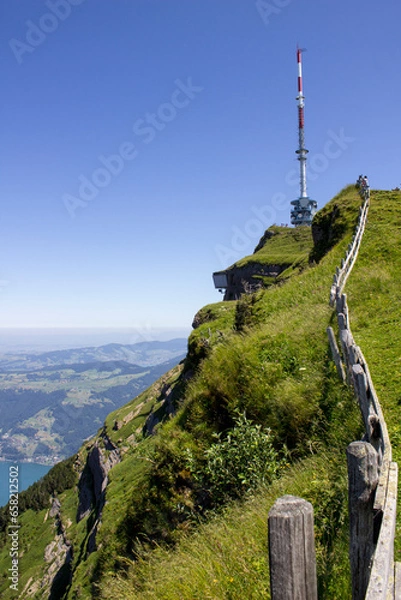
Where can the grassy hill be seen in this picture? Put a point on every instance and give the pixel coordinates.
(289, 248)
(255, 411)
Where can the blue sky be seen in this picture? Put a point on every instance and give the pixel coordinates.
(148, 143)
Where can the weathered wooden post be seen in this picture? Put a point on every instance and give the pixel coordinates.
(362, 482)
(336, 354)
(292, 550)
(360, 386)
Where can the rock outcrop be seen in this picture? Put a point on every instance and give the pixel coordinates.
(249, 278)
(57, 557)
(102, 457)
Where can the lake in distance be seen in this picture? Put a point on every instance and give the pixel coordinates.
(28, 473)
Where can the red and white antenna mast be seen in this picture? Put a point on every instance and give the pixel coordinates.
(302, 152)
(304, 208)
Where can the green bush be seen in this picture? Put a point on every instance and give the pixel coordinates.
(237, 462)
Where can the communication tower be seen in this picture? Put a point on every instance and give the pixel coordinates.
(304, 207)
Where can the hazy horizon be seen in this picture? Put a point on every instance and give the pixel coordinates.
(44, 339)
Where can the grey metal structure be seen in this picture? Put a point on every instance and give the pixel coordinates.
(304, 207)
(220, 281)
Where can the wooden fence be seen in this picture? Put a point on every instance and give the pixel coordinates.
(343, 272)
(372, 475)
(372, 478)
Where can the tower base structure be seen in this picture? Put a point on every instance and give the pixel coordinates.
(303, 212)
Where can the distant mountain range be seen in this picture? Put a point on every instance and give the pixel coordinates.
(51, 402)
(143, 354)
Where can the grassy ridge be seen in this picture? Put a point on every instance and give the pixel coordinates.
(278, 370)
(227, 557)
(284, 246)
(267, 355)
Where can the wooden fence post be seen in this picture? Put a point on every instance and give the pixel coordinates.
(362, 482)
(382, 582)
(360, 386)
(292, 550)
(336, 353)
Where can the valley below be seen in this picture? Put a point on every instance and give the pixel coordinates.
(51, 402)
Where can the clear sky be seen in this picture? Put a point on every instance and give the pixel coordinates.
(147, 143)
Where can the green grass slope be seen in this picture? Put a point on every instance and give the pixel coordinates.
(281, 245)
(167, 529)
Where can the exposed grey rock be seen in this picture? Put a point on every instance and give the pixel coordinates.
(55, 509)
(245, 279)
